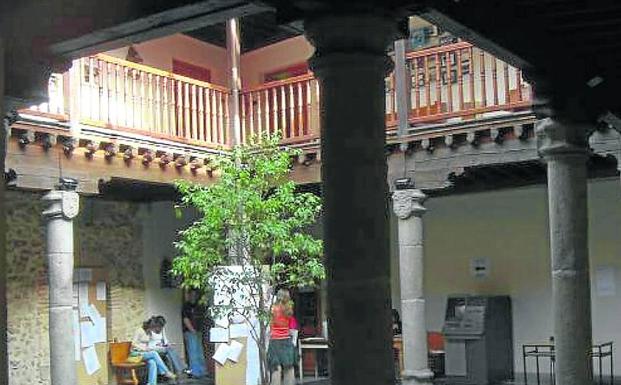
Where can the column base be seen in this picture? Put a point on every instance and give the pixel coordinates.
(416, 377)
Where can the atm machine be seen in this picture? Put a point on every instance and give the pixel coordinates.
(478, 337)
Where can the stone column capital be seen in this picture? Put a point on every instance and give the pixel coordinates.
(561, 139)
(408, 202)
(340, 40)
(65, 204)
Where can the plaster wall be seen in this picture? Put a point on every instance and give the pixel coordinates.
(510, 227)
(159, 53)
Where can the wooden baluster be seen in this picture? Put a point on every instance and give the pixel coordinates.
(416, 106)
(266, 112)
(165, 105)
(293, 130)
(158, 104)
(449, 81)
(187, 122)
(259, 132)
(92, 101)
(307, 107)
(438, 84)
(299, 105)
(136, 98)
(151, 115)
(179, 109)
(460, 81)
(250, 96)
(222, 99)
(201, 114)
(274, 128)
(144, 103)
(283, 113)
(119, 100)
(126, 96)
(427, 85)
(495, 79)
(214, 117)
(194, 113)
(245, 117)
(505, 69)
(518, 83)
(106, 90)
(208, 112)
(483, 80)
(472, 91)
(315, 95)
(172, 106)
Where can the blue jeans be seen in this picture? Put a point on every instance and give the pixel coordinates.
(155, 366)
(174, 359)
(196, 357)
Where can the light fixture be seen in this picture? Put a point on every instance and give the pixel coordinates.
(67, 184)
(404, 183)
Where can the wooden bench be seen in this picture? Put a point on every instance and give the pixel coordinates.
(126, 372)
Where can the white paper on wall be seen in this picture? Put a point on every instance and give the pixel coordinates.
(218, 335)
(222, 353)
(239, 330)
(235, 350)
(91, 362)
(87, 334)
(605, 281)
(101, 291)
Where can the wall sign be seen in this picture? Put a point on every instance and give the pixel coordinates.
(479, 267)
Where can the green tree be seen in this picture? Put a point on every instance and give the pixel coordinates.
(251, 217)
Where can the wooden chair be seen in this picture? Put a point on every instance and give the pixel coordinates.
(126, 372)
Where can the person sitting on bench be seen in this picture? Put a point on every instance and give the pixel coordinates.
(140, 348)
(159, 342)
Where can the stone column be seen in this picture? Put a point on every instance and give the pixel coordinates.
(563, 146)
(350, 63)
(408, 206)
(62, 208)
(4, 367)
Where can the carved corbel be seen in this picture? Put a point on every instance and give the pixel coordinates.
(69, 145)
(48, 141)
(449, 141)
(427, 145)
(520, 132)
(91, 148)
(26, 137)
(196, 164)
(164, 158)
(129, 153)
(180, 161)
(497, 135)
(110, 150)
(147, 157)
(473, 138)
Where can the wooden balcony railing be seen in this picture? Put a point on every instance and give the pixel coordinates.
(457, 81)
(446, 83)
(120, 94)
(289, 107)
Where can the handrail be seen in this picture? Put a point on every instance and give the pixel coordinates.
(438, 49)
(159, 72)
(277, 83)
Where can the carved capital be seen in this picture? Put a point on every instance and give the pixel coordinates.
(62, 204)
(555, 138)
(406, 203)
(350, 41)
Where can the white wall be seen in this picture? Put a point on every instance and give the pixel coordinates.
(159, 53)
(510, 227)
(160, 228)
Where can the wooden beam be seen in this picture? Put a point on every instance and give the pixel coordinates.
(147, 27)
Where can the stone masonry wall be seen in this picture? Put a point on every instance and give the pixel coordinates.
(107, 235)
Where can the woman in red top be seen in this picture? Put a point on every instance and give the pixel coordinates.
(281, 353)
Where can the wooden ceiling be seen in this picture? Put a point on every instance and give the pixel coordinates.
(256, 30)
